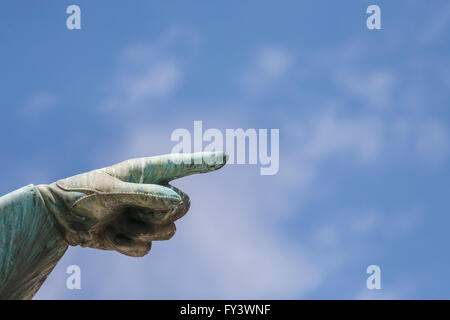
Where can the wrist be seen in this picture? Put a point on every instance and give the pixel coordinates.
(59, 205)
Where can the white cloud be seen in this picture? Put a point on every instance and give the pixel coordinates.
(330, 136)
(327, 236)
(149, 74)
(347, 140)
(400, 289)
(372, 88)
(425, 139)
(158, 80)
(39, 102)
(433, 141)
(268, 67)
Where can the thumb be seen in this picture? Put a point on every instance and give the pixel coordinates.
(150, 196)
(127, 194)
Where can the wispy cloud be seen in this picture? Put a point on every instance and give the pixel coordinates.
(373, 88)
(39, 103)
(433, 141)
(269, 65)
(438, 25)
(149, 73)
(400, 289)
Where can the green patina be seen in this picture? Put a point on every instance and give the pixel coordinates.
(123, 207)
(30, 244)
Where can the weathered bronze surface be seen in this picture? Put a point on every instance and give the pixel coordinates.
(123, 207)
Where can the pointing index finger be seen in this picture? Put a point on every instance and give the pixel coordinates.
(165, 168)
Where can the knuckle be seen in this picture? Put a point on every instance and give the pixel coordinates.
(167, 232)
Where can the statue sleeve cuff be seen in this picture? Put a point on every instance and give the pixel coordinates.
(30, 243)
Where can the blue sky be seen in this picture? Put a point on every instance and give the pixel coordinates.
(364, 130)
